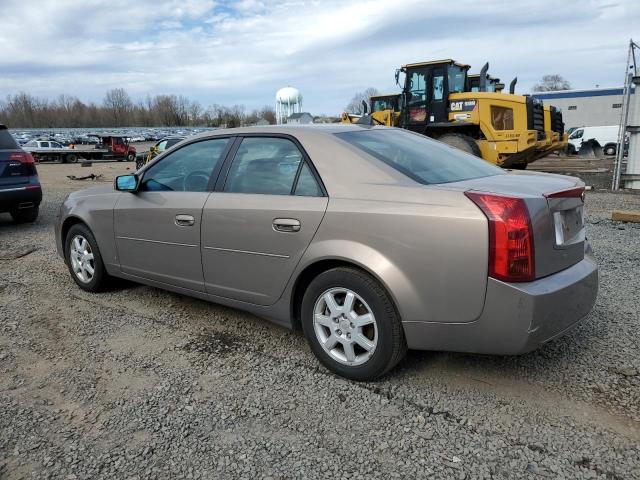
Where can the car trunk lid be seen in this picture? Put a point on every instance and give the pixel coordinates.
(556, 207)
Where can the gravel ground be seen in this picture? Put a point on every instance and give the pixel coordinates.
(141, 383)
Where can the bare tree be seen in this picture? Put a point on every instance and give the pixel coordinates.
(119, 106)
(355, 105)
(195, 113)
(551, 83)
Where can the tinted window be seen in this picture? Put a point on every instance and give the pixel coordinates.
(44, 144)
(265, 166)
(171, 142)
(188, 169)
(457, 76)
(438, 88)
(420, 158)
(577, 134)
(6, 140)
(307, 185)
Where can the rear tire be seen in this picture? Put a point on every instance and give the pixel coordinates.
(461, 142)
(71, 158)
(25, 215)
(609, 150)
(361, 339)
(84, 260)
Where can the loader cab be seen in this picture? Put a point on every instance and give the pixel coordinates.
(492, 84)
(426, 91)
(380, 103)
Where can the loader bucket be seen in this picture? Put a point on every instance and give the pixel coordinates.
(590, 148)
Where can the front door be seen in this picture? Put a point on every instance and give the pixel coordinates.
(416, 97)
(437, 111)
(257, 227)
(157, 229)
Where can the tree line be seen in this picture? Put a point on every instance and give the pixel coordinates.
(117, 109)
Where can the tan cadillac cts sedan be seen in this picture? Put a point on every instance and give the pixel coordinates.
(371, 239)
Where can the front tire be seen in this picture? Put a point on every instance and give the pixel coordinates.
(352, 325)
(25, 215)
(84, 260)
(461, 142)
(131, 157)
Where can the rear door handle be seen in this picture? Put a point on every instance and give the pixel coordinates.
(287, 225)
(185, 220)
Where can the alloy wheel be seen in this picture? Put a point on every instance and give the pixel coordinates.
(81, 257)
(345, 326)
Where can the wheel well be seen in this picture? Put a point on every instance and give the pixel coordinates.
(311, 272)
(66, 225)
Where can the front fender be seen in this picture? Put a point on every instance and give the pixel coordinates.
(96, 211)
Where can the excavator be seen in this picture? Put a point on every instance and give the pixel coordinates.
(505, 129)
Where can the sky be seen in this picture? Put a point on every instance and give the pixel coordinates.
(242, 52)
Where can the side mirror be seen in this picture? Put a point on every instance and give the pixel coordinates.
(126, 183)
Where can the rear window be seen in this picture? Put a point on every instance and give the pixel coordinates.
(418, 157)
(6, 141)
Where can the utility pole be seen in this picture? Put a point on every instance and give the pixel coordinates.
(629, 123)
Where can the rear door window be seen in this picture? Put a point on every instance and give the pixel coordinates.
(423, 159)
(266, 166)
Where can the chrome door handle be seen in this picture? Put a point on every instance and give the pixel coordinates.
(185, 220)
(287, 225)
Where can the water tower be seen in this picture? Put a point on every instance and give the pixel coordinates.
(288, 101)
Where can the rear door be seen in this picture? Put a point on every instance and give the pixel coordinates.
(157, 229)
(13, 173)
(260, 220)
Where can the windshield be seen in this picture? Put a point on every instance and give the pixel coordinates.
(418, 157)
(457, 78)
(383, 103)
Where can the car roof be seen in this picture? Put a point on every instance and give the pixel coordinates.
(296, 130)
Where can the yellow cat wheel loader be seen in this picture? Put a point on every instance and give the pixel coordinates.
(505, 129)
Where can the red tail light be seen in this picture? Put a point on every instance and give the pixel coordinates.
(577, 192)
(22, 157)
(511, 253)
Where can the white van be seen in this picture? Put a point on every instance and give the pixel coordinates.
(606, 136)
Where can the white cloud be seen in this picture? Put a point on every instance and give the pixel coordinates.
(243, 52)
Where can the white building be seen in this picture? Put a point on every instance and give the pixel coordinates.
(300, 118)
(586, 108)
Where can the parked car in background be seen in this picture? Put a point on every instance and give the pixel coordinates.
(371, 239)
(604, 137)
(162, 145)
(50, 151)
(20, 190)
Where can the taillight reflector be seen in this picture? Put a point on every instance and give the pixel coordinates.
(22, 157)
(511, 250)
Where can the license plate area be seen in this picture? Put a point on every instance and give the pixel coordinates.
(569, 226)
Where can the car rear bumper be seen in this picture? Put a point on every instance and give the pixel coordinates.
(20, 197)
(517, 317)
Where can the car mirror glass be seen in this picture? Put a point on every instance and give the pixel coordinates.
(126, 183)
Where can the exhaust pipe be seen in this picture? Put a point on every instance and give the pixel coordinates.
(483, 78)
(512, 86)
(365, 107)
